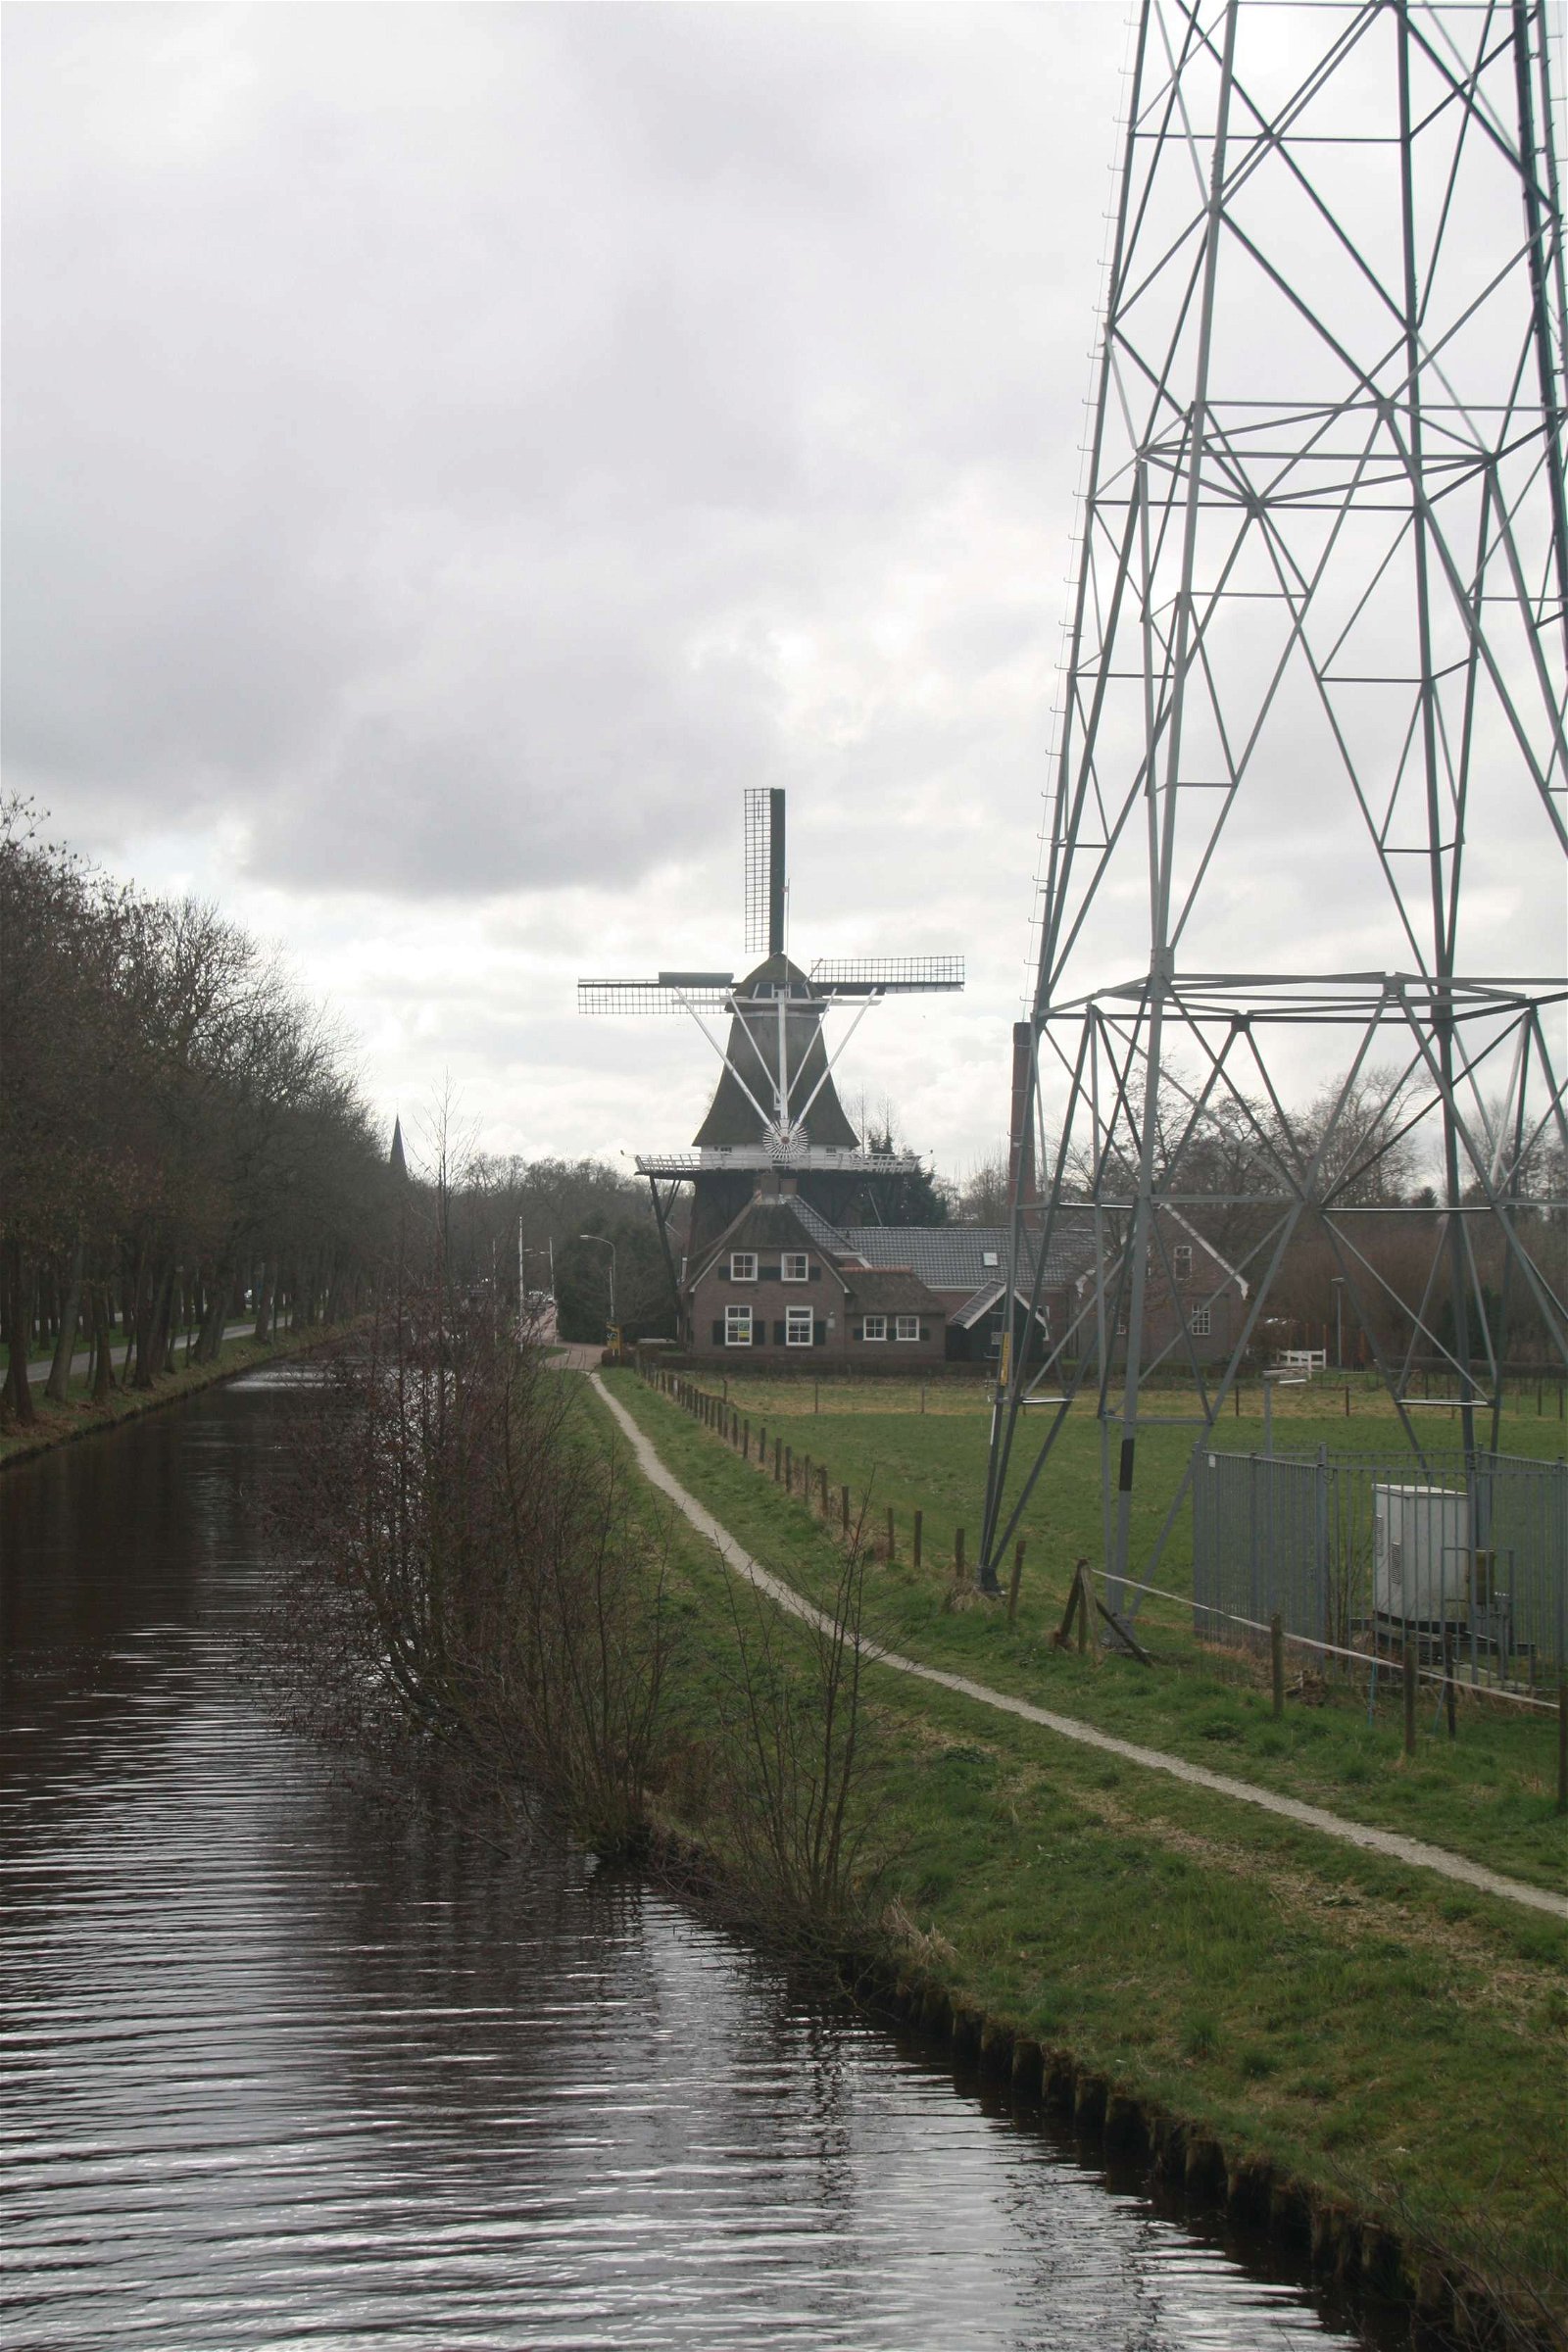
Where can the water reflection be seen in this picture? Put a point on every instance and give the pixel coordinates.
(294, 2067)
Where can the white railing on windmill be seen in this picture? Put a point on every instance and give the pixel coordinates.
(777, 1069)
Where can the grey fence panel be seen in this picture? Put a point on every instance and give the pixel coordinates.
(1522, 1523)
(1353, 1551)
(1260, 1544)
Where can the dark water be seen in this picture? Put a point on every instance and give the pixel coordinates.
(290, 2066)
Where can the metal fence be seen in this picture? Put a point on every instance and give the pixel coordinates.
(1366, 1552)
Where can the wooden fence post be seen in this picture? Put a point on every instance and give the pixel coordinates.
(1276, 1662)
(789, 1470)
(919, 1521)
(745, 1440)
(778, 1460)
(1409, 1697)
(1018, 1580)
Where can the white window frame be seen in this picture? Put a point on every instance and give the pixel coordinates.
(905, 1327)
(742, 1265)
(737, 1327)
(874, 1327)
(795, 1265)
(794, 1317)
(1181, 1262)
(1200, 1322)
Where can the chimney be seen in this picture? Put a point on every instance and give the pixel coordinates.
(1020, 1126)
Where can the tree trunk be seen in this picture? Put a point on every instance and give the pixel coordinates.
(264, 1302)
(210, 1338)
(59, 1383)
(19, 1389)
(103, 1370)
(141, 1375)
(174, 1318)
(157, 1350)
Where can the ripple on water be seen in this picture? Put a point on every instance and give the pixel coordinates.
(288, 2068)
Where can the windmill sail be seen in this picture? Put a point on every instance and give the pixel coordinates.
(764, 870)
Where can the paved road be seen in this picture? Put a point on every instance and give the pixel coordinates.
(1389, 1842)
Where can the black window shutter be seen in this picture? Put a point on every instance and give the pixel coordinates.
(778, 1335)
(858, 1332)
(816, 1273)
(718, 1333)
(768, 1273)
(819, 1334)
(924, 1334)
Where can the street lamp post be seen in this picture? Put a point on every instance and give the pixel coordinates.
(1339, 1322)
(603, 1244)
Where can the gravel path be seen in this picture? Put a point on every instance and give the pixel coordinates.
(1387, 1843)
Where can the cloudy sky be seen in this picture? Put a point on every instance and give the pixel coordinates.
(452, 451)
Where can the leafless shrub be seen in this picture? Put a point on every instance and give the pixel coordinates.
(469, 1563)
(789, 1810)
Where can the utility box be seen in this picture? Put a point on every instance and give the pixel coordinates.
(1421, 1553)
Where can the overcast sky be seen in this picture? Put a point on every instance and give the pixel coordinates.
(452, 451)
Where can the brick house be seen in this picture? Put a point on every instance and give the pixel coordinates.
(783, 1287)
(786, 1287)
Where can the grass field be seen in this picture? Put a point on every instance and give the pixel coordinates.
(1377, 2033)
(1489, 1795)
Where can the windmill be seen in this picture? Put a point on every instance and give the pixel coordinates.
(775, 1114)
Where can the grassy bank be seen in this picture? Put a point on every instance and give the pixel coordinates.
(1390, 2044)
(58, 1424)
(1489, 1794)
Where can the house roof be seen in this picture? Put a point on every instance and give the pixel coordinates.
(988, 1295)
(966, 1258)
(826, 1236)
(889, 1289)
(969, 1260)
(766, 1225)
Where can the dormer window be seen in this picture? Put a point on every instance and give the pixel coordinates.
(742, 1265)
(988, 1257)
(794, 1265)
(1181, 1262)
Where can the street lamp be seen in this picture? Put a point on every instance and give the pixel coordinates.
(1338, 1280)
(610, 1246)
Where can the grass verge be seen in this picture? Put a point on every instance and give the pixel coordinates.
(1489, 1795)
(1390, 2044)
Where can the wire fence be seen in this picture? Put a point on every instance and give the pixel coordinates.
(1460, 1558)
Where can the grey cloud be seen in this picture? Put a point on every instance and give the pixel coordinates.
(419, 420)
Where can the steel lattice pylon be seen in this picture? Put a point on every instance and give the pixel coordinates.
(1321, 600)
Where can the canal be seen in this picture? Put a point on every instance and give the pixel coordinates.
(293, 2062)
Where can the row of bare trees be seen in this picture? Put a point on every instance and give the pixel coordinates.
(179, 1132)
(467, 1555)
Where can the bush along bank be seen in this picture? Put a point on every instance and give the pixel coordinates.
(1330, 2047)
